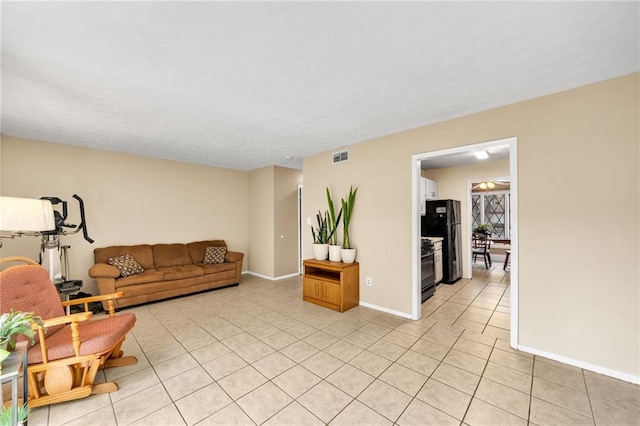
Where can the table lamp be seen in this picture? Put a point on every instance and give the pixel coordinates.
(25, 216)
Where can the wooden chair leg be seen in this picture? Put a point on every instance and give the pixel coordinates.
(120, 362)
(506, 260)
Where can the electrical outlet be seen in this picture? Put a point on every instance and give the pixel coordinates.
(308, 221)
(369, 281)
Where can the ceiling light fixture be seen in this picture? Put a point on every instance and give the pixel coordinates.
(481, 155)
(487, 185)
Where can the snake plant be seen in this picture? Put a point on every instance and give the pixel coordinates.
(320, 234)
(332, 220)
(347, 209)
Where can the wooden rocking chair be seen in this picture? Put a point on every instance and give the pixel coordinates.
(69, 349)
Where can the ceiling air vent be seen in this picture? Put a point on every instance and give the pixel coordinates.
(339, 157)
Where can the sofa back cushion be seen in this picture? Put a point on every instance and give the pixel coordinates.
(170, 255)
(142, 253)
(198, 249)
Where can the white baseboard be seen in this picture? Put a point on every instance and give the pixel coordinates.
(386, 310)
(584, 365)
(282, 277)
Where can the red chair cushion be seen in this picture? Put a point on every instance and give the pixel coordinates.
(97, 336)
(27, 288)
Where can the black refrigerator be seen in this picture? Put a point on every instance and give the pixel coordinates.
(442, 219)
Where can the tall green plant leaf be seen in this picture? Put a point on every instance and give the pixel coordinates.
(332, 219)
(347, 210)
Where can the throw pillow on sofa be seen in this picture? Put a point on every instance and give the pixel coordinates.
(214, 255)
(126, 264)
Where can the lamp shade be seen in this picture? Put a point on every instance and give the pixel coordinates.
(26, 215)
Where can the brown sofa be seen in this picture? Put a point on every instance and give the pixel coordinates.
(169, 270)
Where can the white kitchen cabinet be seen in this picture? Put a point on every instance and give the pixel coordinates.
(437, 258)
(428, 191)
(431, 189)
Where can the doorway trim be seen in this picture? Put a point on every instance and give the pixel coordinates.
(300, 227)
(469, 212)
(416, 159)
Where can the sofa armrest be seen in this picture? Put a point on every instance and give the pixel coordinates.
(105, 276)
(102, 270)
(233, 256)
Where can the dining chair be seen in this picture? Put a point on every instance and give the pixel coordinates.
(507, 255)
(481, 246)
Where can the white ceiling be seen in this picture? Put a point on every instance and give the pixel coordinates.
(242, 85)
(461, 158)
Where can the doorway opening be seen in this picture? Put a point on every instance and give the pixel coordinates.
(464, 192)
(300, 228)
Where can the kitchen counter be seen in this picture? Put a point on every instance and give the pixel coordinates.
(435, 239)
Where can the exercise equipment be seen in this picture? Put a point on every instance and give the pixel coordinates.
(54, 257)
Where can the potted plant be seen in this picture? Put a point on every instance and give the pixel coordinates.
(348, 254)
(332, 226)
(320, 237)
(14, 323)
(6, 417)
(484, 229)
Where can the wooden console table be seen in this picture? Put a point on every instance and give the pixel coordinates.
(334, 285)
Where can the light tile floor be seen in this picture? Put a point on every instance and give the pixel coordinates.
(258, 354)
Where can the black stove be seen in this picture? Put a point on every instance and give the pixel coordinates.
(426, 246)
(427, 269)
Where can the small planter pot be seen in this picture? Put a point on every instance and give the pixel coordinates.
(320, 251)
(334, 253)
(348, 255)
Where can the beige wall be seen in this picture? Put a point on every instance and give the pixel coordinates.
(128, 199)
(261, 217)
(1, 137)
(452, 184)
(585, 305)
(286, 220)
(273, 228)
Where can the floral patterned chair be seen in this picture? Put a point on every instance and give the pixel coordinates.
(69, 349)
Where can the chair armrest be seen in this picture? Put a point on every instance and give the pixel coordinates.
(102, 270)
(73, 319)
(233, 256)
(51, 322)
(100, 298)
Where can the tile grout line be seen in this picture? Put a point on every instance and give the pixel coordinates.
(379, 339)
(586, 386)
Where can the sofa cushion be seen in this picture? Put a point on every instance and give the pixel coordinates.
(148, 276)
(141, 253)
(214, 255)
(170, 255)
(180, 272)
(197, 249)
(216, 267)
(126, 264)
